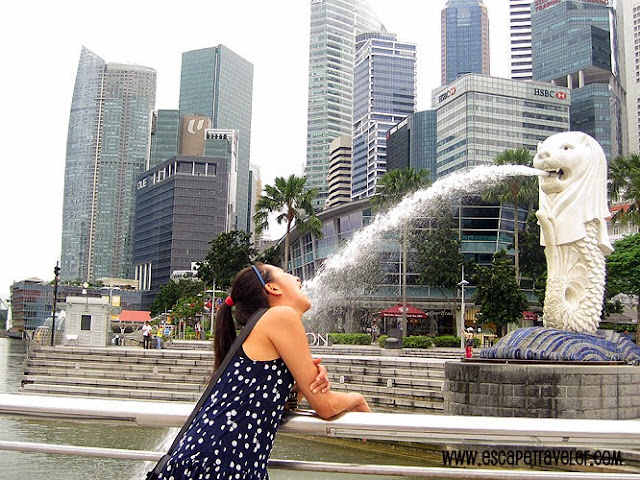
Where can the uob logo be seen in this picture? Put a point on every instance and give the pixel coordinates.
(192, 123)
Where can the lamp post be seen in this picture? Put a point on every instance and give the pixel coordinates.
(213, 305)
(56, 272)
(462, 284)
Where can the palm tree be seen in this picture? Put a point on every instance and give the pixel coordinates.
(288, 196)
(624, 187)
(514, 190)
(391, 188)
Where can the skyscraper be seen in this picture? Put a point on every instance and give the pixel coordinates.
(632, 62)
(107, 148)
(334, 26)
(575, 45)
(218, 83)
(384, 94)
(464, 39)
(520, 39)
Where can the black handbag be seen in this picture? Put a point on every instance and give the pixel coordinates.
(235, 346)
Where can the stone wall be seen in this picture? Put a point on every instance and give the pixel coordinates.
(542, 391)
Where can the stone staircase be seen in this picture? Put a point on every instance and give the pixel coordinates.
(180, 373)
(117, 372)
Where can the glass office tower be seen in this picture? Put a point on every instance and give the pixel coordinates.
(575, 45)
(334, 26)
(384, 94)
(107, 148)
(464, 39)
(164, 136)
(218, 83)
(413, 143)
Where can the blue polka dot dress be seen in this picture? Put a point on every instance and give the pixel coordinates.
(232, 435)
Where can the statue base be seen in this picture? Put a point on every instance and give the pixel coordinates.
(545, 373)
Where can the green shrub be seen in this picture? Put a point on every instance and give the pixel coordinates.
(381, 340)
(350, 338)
(417, 342)
(476, 342)
(446, 341)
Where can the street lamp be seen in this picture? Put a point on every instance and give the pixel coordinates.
(56, 272)
(462, 284)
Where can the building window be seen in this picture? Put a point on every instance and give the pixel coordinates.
(85, 322)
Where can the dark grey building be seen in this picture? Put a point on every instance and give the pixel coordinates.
(575, 45)
(412, 143)
(181, 205)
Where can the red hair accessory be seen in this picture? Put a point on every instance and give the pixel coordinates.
(229, 301)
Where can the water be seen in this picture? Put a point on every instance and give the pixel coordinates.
(345, 271)
(17, 465)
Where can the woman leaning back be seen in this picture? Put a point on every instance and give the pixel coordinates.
(232, 435)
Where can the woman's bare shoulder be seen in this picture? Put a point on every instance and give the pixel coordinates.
(281, 313)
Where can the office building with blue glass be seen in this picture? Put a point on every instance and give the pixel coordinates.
(575, 46)
(413, 143)
(464, 39)
(218, 83)
(384, 94)
(334, 25)
(107, 148)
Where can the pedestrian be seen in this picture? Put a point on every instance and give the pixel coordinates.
(146, 335)
(468, 342)
(159, 338)
(232, 434)
(198, 329)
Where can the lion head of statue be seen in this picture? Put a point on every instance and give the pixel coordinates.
(575, 190)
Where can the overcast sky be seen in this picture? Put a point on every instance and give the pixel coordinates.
(41, 42)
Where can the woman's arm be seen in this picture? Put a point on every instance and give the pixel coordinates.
(287, 335)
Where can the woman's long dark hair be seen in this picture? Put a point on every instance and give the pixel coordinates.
(248, 295)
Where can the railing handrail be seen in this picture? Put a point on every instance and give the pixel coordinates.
(425, 472)
(434, 429)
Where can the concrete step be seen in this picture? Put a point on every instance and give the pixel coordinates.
(435, 395)
(386, 372)
(89, 391)
(81, 357)
(101, 366)
(122, 374)
(111, 383)
(403, 382)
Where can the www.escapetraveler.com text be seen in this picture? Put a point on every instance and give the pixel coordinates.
(530, 458)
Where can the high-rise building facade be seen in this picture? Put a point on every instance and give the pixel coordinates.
(520, 39)
(479, 117)
(334, 26)
(464, 39)
(384, 94)
(575, 45)
(181, 205)
(413, 143)
(339, 171)
(632, 73)
(107, 148)
(218, 83)
(164, 136)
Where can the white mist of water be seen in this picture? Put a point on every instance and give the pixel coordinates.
(357, 252)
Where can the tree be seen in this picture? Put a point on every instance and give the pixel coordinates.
(271, 255)
(498, 294)
(623, 269)
(230, 252)
(533, 262)
(624, 187)
(288, 196)
(438, 252)
(514, 190)
(188, 308)
(171, 293)
(390, 189)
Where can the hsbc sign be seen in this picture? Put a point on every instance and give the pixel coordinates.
(543, 92)
(449, 93)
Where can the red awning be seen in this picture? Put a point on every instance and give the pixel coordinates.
(134, 316)
(530, 316)
(396, 311)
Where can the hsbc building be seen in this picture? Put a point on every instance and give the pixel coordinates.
(480, 116)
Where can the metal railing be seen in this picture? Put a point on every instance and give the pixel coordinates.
(527, 433)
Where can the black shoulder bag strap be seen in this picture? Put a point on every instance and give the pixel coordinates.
(235, 346)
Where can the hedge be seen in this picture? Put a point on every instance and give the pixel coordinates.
(417, 342)
(446, 341)
(350, 338)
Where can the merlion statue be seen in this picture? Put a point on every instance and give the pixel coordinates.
(573, 208)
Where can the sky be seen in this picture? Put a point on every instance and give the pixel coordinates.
(41, 43)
